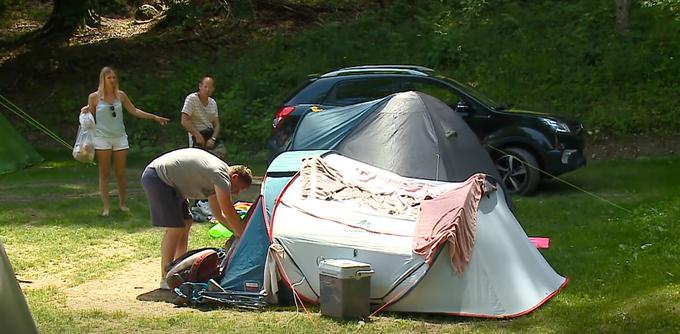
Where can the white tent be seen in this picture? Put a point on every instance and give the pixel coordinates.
(505, 277)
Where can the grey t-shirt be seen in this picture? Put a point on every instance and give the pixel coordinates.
(193, 172)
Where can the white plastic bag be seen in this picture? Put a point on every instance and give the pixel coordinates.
(83, 150)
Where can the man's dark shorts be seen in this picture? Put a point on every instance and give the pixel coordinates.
(168, 207)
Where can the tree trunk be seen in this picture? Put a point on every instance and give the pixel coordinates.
(622, 16)
(289, 9)
(66, 16)
(384, 3)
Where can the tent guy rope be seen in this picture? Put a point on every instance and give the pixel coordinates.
(32, 121)
(565, 182)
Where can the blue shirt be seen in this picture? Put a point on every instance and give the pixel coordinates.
(108, 125)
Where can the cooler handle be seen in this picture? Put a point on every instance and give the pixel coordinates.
(363, 273)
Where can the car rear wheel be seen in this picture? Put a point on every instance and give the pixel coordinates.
(516, 171)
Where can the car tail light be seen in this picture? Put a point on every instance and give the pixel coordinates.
(282, 113)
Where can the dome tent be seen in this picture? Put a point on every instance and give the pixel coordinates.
(411, 134)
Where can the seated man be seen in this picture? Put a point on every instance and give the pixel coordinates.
(201, 120)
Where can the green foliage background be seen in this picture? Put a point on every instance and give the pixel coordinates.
(553, 56)
(556, 56)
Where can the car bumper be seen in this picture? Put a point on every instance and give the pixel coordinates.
(565, 160)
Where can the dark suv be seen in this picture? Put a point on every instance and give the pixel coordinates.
(521, 143)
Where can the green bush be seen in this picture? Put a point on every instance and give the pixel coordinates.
(553, 56)
(4, 4)
(112, 7)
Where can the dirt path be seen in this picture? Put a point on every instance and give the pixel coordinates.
(110, 28)
(630, 147)
(132, 289)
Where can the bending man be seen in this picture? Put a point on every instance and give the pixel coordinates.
(172, 179)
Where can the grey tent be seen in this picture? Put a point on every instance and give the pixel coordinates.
(15, 316)
(411, 133)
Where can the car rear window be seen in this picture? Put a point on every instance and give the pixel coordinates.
(312, 91)
(360, 90)
(433, 88)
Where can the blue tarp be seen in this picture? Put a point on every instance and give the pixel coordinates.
(325, 130)
(245, 271)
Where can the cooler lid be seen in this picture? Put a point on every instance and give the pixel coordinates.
(343, 268)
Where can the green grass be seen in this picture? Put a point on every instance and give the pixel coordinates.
(624, 264)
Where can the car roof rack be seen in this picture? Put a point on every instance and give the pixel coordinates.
(404, 69)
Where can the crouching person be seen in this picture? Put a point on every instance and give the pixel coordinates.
(174, 178)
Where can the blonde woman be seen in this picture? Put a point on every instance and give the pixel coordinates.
(110, 138)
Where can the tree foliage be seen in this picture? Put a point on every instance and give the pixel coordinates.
(4, 4)
(671, 5)
(545, 55)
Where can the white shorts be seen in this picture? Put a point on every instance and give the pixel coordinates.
(116, 144)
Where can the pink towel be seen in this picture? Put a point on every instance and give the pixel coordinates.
(452, 217)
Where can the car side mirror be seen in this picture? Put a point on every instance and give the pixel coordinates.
(463, 108)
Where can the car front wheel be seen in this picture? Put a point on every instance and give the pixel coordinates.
(517, 169)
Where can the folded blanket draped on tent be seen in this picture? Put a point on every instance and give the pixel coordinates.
(450, 217)
(441, 216)
(366, 189)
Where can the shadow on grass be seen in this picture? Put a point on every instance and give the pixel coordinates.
(158, 295)
(170, 297)
(437, 318)
(167, 296)
(555, 187)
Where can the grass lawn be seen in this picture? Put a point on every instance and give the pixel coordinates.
(623, 263)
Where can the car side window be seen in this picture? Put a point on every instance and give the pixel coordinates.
(360, 90)
(442, 92)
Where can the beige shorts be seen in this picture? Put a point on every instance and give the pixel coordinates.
(116, 144)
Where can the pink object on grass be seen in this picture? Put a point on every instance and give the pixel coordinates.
(540, 242)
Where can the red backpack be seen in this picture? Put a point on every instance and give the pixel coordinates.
(199, 266)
